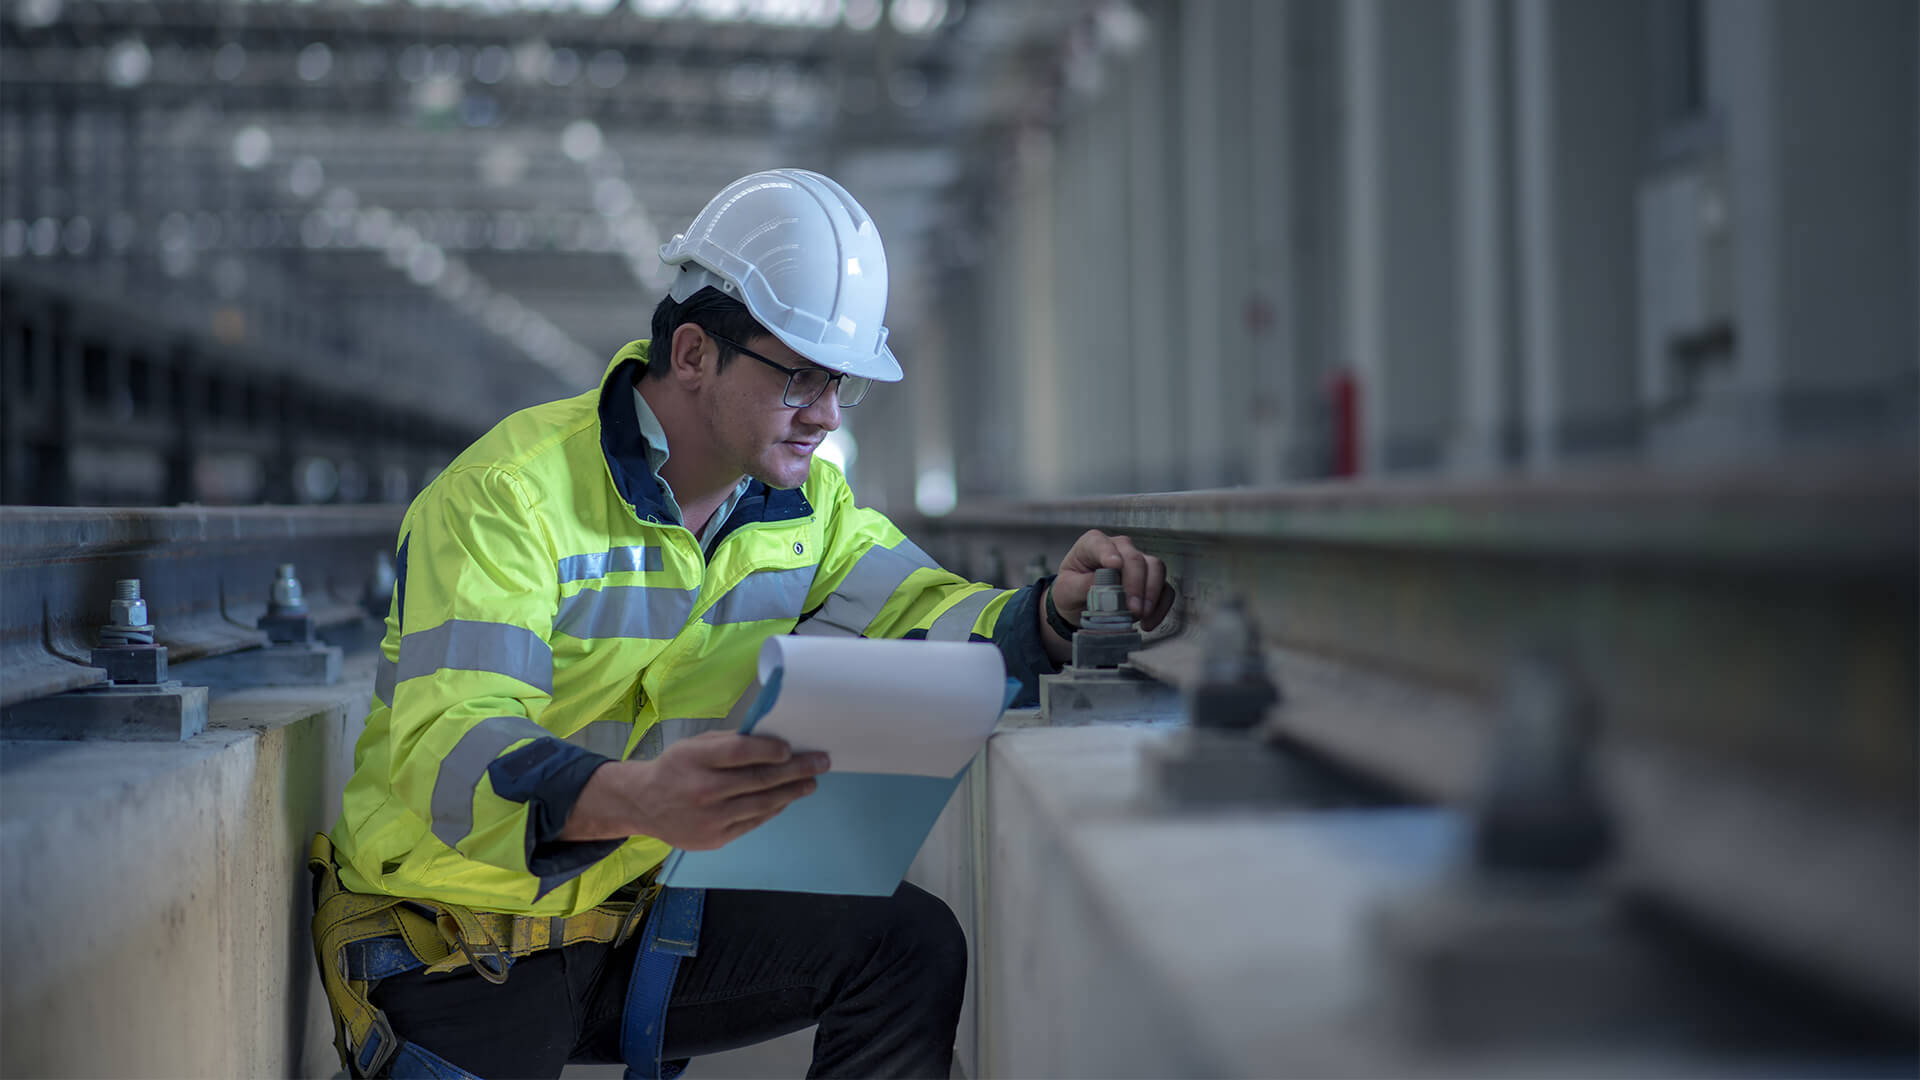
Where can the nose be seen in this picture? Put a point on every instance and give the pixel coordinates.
(824, 413)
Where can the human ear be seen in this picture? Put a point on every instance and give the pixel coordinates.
(688, 352)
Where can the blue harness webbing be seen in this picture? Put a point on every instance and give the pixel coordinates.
(672, 931)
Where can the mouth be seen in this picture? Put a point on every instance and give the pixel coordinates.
(801, 446)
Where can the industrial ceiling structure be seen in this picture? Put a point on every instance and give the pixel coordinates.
(456, 203)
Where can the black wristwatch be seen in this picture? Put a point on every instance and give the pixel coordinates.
(1060, 625)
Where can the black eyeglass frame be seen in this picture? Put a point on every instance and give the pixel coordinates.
(786, 393)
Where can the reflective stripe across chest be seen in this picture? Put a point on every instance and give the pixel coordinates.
(659, 612)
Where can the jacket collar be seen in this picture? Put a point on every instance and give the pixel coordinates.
(626, 453)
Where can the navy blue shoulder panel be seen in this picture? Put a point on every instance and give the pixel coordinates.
(762, 503)
(400, 583)
(626, 449)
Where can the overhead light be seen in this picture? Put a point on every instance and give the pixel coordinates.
(563, 66)
(612, 197)
(581, 140)
(491, 64)
(861, 15)
(77, 236)
(426, 263)
(606, 69)
(934, 491)
(33, 14)
(306, 177)
(229, 61)
(314, 62)
(917, 16)
(840, 448)
(44, 237)
(128, 64)
(252, 147)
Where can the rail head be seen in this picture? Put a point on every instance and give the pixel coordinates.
(1842, 515)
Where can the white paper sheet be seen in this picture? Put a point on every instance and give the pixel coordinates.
(921, 708)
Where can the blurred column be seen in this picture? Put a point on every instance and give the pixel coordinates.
(1400, 266)
(1267, 304)
(1579, 76)
(1207, 329)
(1154, 296)
(1041, 470)
(1315, 308)
(1488, 375)
(1821, 133)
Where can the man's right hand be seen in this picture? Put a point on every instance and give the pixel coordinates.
(699, 794)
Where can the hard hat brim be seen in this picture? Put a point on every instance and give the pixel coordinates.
(878, 364)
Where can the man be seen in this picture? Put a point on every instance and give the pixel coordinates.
(583, 594)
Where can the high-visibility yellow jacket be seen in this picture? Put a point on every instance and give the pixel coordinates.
(551, 613)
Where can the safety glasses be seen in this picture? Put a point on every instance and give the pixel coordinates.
(805, 385)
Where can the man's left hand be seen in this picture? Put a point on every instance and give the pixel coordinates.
(1143, 576)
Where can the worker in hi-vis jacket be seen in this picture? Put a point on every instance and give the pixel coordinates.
(582, 597)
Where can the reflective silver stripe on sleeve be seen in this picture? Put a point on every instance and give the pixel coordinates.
(612, 561)
(463, 645)
(385, 677)
(766, 594)
(667, 732)
(625, 611)
(956, 623)
(604, 737)
(465, 764)
(857, 600)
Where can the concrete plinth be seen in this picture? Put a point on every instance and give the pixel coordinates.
(1106, 695)
(156, 893)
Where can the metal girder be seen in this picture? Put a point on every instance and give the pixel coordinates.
(207, 575)
(1748, 636)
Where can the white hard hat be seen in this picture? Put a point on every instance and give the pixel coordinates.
(804, 258)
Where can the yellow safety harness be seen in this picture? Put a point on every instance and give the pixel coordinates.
(397, 933)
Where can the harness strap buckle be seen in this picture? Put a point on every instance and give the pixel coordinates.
(381, 1041)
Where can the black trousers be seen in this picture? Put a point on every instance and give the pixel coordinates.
(883, 978)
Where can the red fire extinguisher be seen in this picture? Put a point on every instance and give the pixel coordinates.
(1343, 404)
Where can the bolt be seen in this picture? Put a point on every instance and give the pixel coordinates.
(1235, 690)
(287, 598)
(127, 609)
(1106, 610)
(126, 616)
(1540, 808)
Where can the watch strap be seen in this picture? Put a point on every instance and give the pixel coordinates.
(1058, 622)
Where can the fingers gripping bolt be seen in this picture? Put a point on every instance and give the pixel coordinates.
(1106, 635)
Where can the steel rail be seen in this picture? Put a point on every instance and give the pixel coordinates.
(206, 574)
(1749, 636)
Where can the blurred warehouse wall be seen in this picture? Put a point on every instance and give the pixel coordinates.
(1509, 233)
(279, 251)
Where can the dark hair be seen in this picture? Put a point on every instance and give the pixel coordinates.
(709, 309)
